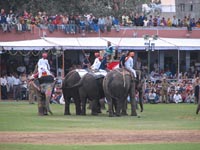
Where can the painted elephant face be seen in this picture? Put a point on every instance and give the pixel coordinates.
(46, 88)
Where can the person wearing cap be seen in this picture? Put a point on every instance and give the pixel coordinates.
(129, 62)
(97, 62)
(43, 66)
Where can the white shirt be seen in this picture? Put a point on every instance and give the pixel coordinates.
(16, 81)
(177, 98)
(10, 80)
(96, 64)
(3, 81)
(43, 63)
(129, 63)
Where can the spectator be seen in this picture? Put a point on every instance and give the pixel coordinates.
(175, 22)
(108, 23)
(86, 63)
(101, 24)
(152, 97)
(4, 84)
(177, 97)
(3, 20)
(164, 91)
(16, 87)
(169, 22)
(190, 97)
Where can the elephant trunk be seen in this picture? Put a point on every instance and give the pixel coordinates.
(141, 105)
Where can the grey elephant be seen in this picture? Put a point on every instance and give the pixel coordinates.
(43, 89)
(91, 87)
(81, 89)
(70, 90)
(117, 85)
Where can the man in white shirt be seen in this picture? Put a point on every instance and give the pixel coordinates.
(129, 63)
(97, 62)
(43, 66)
(177, 98)
(4, 84)
(16, 87)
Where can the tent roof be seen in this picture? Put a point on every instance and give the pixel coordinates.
(98, 43)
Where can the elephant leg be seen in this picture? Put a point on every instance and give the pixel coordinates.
(96, 107)
(118, 107)
(124, 108)
(102, 103)
(141, 101)
(133, 107)
(83, 106)
(198, 107)
(78, 106)
(67, 104)
(110, 106)
(40, 106)
(47, 106)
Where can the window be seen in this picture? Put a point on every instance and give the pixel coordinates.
(191, 7)
(182, 7)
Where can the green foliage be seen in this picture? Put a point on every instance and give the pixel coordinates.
(102, 7)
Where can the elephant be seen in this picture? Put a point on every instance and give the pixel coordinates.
(43, 89)
(117, 85)
(70, 90)
(89, 86)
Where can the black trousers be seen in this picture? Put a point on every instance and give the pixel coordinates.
(4, 92)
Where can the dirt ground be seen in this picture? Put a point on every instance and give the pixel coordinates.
(102, 137)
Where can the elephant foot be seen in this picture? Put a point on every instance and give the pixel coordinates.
(197, 112)
(94, 114)
(124, 114)
(67, 114)
(83, 114)
(118, 115)
(111, 115)
(99, 112)
(133, 114)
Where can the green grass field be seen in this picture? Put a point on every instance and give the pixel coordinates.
(22, 117)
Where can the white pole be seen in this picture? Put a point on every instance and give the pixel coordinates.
(178, 63)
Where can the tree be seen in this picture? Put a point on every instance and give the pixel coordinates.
(97, 7)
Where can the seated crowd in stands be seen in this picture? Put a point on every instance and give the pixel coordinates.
(72, 24)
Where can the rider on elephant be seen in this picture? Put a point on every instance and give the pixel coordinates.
(97, 61)
(129, 63)
(109, 50)
(43, 66)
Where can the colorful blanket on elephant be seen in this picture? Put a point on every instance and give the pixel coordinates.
(113, 65)
(82, 72)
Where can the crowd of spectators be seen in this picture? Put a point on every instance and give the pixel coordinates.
(171, 89)
(77, 23)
